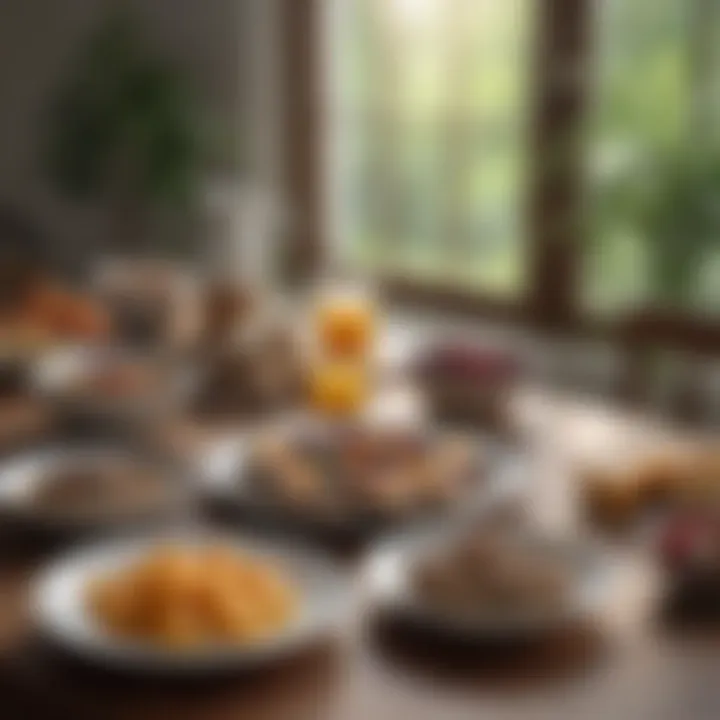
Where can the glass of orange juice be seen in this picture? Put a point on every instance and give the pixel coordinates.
(339, 388)
(345, 322)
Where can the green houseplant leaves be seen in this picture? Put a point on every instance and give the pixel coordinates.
(123, 128)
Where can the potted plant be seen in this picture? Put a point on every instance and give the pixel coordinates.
(123, 134)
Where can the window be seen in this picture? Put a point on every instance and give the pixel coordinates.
(430, 109)
(655, 157)
(450, 118)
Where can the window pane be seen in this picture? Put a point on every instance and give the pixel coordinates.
(655, 233)
(429, 154)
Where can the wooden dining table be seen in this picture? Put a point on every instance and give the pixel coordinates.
(628, 663)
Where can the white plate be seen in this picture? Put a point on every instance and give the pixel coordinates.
(388, 579)
(21, 475)
(58, 603)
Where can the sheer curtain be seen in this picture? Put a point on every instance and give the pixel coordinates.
(429, 150)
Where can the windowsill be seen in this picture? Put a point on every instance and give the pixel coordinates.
(677, 330)
(583, 369)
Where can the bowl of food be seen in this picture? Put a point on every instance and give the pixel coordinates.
(687, 546)
(484, 582)
(90, 488)
(468, 384)
(353, 481)
(110, 386)
(47, 318)
(188, 603)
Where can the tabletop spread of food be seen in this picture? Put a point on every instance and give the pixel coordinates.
(318, 368)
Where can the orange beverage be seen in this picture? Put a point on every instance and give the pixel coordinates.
(346, 326)
(339, 388)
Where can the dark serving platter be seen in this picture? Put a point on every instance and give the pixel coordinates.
(235, 482)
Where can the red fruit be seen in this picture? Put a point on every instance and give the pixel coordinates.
(690, 541)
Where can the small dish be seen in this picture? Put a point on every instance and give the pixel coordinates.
(99, 385)
(22, 478)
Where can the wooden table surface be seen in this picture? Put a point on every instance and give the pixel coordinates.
(627, 666)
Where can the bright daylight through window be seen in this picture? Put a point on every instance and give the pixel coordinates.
(430, 155)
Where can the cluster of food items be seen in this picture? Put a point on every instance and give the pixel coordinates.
(468, 383)
(47, 314)
(673, 479)
(153, 302)
(265, 372)
(487, 572)
(250, 360)
(247, 355)
(111, 487)
(362, 473)
(195, 597)
(38, 313)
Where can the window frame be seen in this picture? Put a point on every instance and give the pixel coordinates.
(554, 203)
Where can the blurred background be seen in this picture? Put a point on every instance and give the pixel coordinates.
(548, 165)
